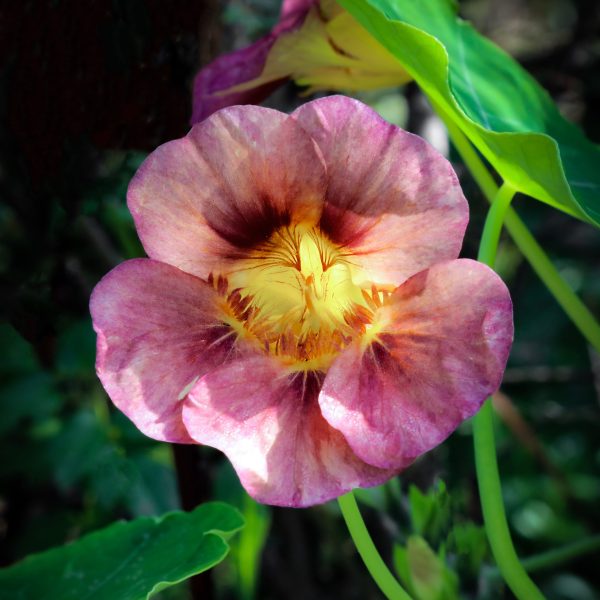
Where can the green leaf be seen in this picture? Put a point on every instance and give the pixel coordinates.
(27, 393)
(469, 542)
(154, 489)
(18, 356)
(126, 560)
(430, 512)
(507, 115)
(76, 350)
(81, 449)
(425, 572)
(32, 397)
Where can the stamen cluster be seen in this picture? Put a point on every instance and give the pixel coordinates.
(295, 297)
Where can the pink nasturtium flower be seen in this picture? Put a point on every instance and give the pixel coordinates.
(302, 308)
(316, 43)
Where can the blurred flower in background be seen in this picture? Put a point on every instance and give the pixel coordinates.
(316, 43)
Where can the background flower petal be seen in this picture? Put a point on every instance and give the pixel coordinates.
(269, 425)
(445, 338)
(243, 65)
(392, 199)
(206, 198)
(292, 10)
(158, 331)
(308, 56)
(227, 71)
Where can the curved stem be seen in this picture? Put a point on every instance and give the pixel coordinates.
(575, 309)
(558, 556)
(488, 476)
(387, 583)
(471, 159)
(493, 225)
(494, 516)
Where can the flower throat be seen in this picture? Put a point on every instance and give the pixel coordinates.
(295, 296)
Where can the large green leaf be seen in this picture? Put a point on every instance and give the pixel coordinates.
(497, 104)
(126, 561)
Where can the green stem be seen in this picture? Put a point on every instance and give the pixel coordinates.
(575, 309)
(488, 476)
(387, 583)
(471, 159)
(493, 225)
(494, 516)
(558, 556)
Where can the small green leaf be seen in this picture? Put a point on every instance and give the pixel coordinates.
(76, 350)
(126, 560)
(81, 449)
(402, 566)
(31, 397)
(18, 356)
(27, 392)
(497, 104)
(424, 572)
(430, 512)
(469, 542)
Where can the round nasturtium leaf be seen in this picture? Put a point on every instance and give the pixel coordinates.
(507, 115)
(127, 559)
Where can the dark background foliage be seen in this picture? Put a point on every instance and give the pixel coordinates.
(86, 90)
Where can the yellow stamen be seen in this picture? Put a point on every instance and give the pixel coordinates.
(295, 298)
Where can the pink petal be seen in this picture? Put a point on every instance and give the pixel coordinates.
(444, 342)
(292, 10)
(292, 14)
(204, 199)
(158, 332)
(269, 425)
(392, 199)
(243, 65)
(228, 71)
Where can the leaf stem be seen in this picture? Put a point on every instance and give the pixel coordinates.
(575, 309)
(494, 516)
(488, 475)
(558, 556)
(379, 571)
(493, 225)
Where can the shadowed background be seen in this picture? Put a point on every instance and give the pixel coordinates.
(86, 91)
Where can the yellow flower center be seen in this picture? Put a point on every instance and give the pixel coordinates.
(295, 297)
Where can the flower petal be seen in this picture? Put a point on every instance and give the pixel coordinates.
(353, 39)
(158, 332)
(204, 199)
(211, 84)
(269, 425)
(228, 71)
(443, 344)
(293, 9)
(392, 199)
(306, 55)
